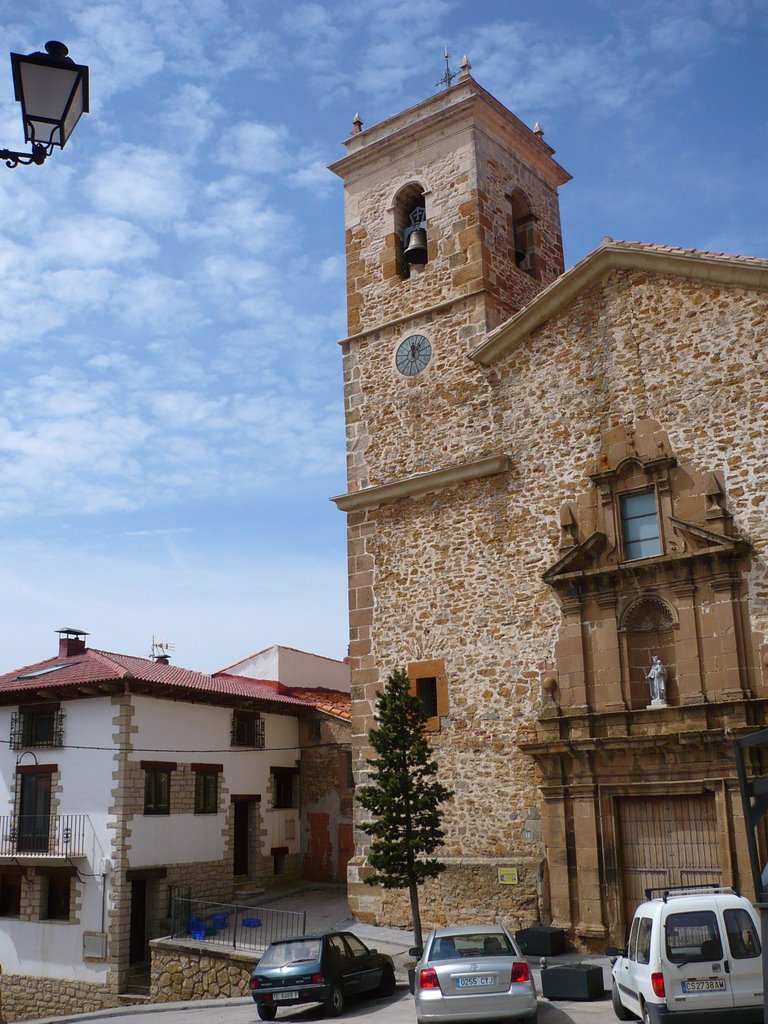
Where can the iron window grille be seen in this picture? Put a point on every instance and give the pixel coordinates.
(247, 730)
(37, 728)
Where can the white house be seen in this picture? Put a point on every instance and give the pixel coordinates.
(121, 779)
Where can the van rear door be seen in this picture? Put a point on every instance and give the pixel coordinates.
(695, 975)
(745, 962)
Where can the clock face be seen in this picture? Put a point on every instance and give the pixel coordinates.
(413, 354)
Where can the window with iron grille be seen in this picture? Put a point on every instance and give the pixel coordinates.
(37, 727)
(247, 729)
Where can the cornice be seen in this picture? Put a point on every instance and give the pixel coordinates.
(701, 266)
(460, 106)
(423, 483)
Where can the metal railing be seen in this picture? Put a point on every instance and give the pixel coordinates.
(42, 835)
(232, 924)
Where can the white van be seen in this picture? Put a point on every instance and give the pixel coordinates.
(693, 957)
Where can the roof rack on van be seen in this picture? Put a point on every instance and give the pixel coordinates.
(689, 890)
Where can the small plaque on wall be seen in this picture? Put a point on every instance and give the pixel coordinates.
(507, 876)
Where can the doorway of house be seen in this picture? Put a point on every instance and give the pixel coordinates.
(240, 865)
(34, 813)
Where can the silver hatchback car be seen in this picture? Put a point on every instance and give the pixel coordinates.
(473, 973)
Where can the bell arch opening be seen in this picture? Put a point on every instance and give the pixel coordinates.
(524, 233)
(410, 225)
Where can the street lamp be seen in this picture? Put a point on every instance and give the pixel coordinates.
(53, 93)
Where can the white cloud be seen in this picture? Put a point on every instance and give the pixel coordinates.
(137, 181)
(256, 147)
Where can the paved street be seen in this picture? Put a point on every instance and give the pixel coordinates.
(396, 1010)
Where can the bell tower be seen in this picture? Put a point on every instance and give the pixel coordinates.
(452, 196)
(452, 226)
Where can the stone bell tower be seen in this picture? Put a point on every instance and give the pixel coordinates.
(452, 226)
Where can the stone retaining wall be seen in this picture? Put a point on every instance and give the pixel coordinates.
(24, 997)
(181, 971)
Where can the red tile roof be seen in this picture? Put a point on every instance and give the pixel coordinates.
(331, 702)
(92, 667)
(679, 250)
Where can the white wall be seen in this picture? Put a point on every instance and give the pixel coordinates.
(197, 733)
(54, 948)
(294, 668)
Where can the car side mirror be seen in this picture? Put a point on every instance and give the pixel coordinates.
(373, 951)
(613, 953)
(415, 951)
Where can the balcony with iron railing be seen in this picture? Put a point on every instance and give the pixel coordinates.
(61, 836)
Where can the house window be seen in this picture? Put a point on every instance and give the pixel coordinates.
(429, 684)
(56, 889)
(640, 525)
(247, 729)
(157, 786)
(38, 726)
(285, 787)
(206, 788)
(10, 893)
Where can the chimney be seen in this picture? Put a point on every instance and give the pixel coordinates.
(71, 641)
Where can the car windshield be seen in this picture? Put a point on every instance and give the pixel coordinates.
(282, 954)
(470, 944)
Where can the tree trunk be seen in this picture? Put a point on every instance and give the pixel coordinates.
(413, 890)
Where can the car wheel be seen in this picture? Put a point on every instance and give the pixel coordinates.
(533, 1019)
(266, 1012)
(387, 983)
(618, 1007)
(334, 1002)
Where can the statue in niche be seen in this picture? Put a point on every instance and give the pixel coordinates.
(658, 678)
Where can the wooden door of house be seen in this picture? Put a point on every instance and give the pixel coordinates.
(240, 859)
(665, 841)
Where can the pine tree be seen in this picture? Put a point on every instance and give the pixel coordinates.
(403, 797)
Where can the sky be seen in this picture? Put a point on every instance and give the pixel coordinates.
(172, 283)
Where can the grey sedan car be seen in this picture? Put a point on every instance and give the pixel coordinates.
(473, 973)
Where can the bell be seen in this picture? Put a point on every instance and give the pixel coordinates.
(416, 249)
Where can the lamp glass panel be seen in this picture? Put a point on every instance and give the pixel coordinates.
(45, 94)
(74, 112)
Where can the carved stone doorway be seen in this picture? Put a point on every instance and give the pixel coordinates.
(665, 841)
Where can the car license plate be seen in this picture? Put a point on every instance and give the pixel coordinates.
(285, 995)
(478, 981)
(705, 985)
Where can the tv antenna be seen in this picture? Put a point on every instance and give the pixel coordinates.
(161, 648)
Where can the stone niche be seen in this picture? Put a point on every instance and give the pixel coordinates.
(650, 564)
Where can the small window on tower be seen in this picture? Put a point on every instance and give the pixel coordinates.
(429, 684)
(411, 228)
(426, 691)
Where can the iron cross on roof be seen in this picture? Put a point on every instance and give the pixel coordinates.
(448, 77)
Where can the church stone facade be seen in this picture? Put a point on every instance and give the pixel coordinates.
(552, 477)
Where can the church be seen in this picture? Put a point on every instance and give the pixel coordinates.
(556, 512)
